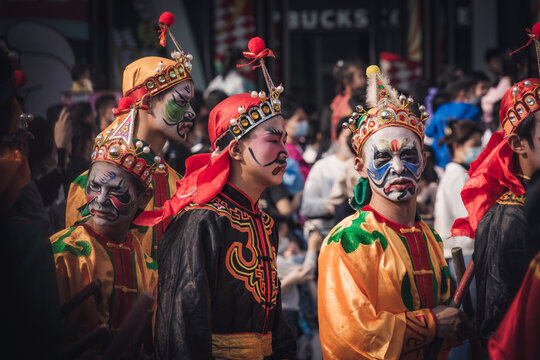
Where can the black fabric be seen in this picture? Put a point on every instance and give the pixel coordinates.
(197, 292)
(270, 197)
(503, 250)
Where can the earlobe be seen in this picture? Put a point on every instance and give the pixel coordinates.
(424, 159)
(234, 150)
(516, 144)
(360, 167)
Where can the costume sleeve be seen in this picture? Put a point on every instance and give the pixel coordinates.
(503, 251)
(349, 324)
(187, 269)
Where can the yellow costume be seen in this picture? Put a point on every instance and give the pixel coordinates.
(378, 281)
(82, 255)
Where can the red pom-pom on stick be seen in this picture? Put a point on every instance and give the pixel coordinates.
(167, 19)
(536, 29)
(19, 78)
(256, 45)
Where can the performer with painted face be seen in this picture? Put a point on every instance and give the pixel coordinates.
(159, 91)
(382, 274)
(219, 293)
(101, 246)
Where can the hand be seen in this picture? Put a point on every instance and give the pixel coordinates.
(452, 323)
(63, 131)
(298, 275)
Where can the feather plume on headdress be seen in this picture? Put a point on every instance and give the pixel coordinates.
(379, 91)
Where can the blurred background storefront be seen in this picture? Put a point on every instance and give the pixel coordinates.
(411, 38)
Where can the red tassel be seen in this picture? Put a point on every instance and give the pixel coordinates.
(19, 78)
(256, 52)
(124, 105)
(167, 19)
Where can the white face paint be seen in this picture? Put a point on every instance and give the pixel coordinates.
(173, 114)
(394, 163)
(111, 195)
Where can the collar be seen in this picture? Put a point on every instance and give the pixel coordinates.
(397, 227)
(108, 243)
(239, 198)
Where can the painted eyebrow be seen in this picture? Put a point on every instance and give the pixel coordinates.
(275, 131)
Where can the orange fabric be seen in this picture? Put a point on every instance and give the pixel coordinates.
(15, 176)
(362, 312)
(242, 346)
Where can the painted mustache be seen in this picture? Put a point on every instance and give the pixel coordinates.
(281, 158)
(107, 210)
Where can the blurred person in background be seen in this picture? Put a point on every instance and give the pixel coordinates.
(297, 127)
(464, 141)
(82, 80)
(459, 107)
(349, 76)
(104, 106)
(319, 183)
(230, 80)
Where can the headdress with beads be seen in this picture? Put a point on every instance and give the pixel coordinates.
(152, 75)
(267, 106)
(386, 109)
(231, 119)
(117, 146)
(492, 173)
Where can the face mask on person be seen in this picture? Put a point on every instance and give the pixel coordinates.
(301, 129)
(471, 154)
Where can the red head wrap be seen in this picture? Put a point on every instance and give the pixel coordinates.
(492, 173)
(206, 174)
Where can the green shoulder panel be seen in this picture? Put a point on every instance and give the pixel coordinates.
(82, 180)
(351, 235)
(77, 248)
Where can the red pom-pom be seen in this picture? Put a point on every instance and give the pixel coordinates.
(167, 18)
(125, 103)
(256, 45)
(20, 78)
(536, 29)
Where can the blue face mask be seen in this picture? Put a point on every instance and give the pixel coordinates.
(298, 259)
(301, 129)
(471, 154)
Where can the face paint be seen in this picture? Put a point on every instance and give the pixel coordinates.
(271, 136)
(393, 158)
(173, 114)
(110, 194)
(267, 151)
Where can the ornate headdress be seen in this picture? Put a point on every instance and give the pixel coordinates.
(152, 75)
(266, 107)
(230, 120)
(386, 109)
(492, 173)
(117, 146)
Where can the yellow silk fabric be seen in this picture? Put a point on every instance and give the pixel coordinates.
(361, 311)
(79, 259)
(138, 71)
(241, 346)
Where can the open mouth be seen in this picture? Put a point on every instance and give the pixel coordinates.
(400, 184)
(103, 214)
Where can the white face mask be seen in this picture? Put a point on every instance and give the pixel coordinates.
(471, 154)
(394, 162)
(302, 129)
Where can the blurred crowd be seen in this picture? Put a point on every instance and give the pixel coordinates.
(319, 178)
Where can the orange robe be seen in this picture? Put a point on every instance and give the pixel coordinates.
(378, 281)
(82, 255)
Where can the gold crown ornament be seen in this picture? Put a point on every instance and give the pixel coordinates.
(117, 146)
(386, 109)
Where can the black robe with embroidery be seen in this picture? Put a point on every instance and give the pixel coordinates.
(503, 250)
(218, 275)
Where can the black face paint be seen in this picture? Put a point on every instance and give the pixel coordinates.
(280, 159)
